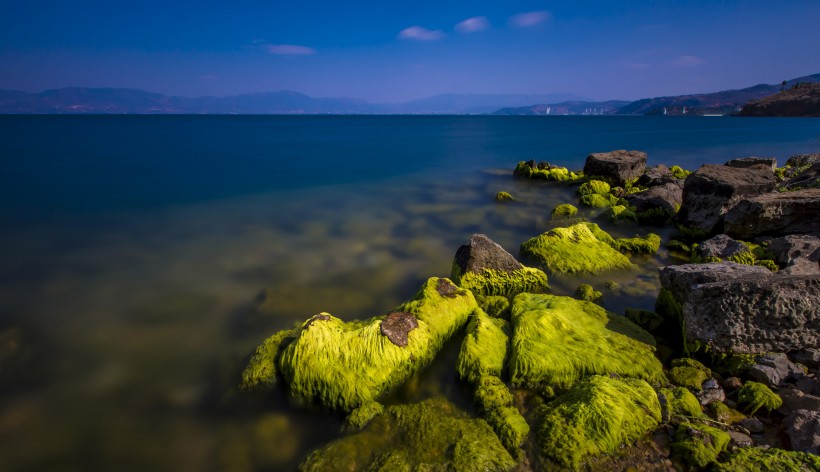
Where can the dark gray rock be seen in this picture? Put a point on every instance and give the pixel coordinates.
(680, 279)
(803, 160)
(711, 393)
(666, 198)
(483, 253)
(774, 214)
(794, 399)
(752, 425)
(721, 246)
(774, 369)
(655, 176)
(616, 166)
(739, 439)
(745, 162)
(797, 254)
(712, 190)
(397, 326)
(807, 385)
(803, 428)
(809, 178)
(809, 356)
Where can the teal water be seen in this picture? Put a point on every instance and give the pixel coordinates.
(142, 258)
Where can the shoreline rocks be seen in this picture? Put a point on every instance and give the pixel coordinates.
(775, 214)
(617, 167)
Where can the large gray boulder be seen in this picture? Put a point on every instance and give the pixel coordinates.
(661, 202)
(681, 279)
(712, 190)
(774, 214)
(798, 254)
(721, 246)
(803, 428)
(616, 167)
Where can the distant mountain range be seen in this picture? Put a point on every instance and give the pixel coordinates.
(718, 103)
(80, 100)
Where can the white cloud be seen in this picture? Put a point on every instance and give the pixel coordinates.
(420, 33)
(528, 19)
(687, 61)
(289, 50)
(472, 25)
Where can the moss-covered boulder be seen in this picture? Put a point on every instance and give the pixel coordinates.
(562, 211)
(485, 268)
(678, 401)
(559, 340)
(431, 435)
(587, 293)
(689, 373)
(576, 249)
(346, 364)
(504, 197)
(699, 445)
(753, 396)
(596, 416)
(544, 171)
(754, 459)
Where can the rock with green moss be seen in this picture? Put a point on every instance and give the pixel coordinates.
(559, 340)
(495, 402)
(361, 416)
(497, 306)
(565, 210)
(260, 374)
(699, 445)
(622, 213)
(594, 187)
(575, 249)
(596, 416)
(678, 401)
(689, 373)
(754, 459)
(724, 414)
(484, 349)
(648, 244)
(504, 197)
(753, 396)
(544, 171)
(599, 201)
(346, 364)
(587, 293)
(679, 173)
(431, 435)
(485, 268)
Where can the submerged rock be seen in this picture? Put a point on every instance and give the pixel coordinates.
(531, 170)
(616, 167)
(556, 341)
(775, 214)
(485, 268)
(431, 435)
(563, 211)
(504, 197)
(596, 416)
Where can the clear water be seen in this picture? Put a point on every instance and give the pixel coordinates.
(142, 258)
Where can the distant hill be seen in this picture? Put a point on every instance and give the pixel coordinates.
(574, 107)
(474, 103)
(802, 99)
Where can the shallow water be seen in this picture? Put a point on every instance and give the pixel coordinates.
(143, 258)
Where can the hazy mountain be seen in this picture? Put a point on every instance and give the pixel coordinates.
(566, 108)
(475, 103)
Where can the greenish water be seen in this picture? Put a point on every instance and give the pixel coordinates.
(143, 259)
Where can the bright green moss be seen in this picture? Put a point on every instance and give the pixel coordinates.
(768, 263)
(496, 306)
(722, 413)
(504, 197)
(754, 459)
(689, 373)
(512, 429)
(559, 340)
(565, 210)
(680, 402)
(559, 174)
(753, 396)
(646, 245)
(596, 416)
(344, 365)
(587, 293)
(260, 374)
(622, 213)
(484, 349)
(594, 187)
(358, 418)
(679, 173)
(499, 282)
(431, 435)
(699, 445)
(574, 249)
(598, 201)
(675, 245)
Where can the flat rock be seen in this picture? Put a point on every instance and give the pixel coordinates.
(680, 279)
(774, 214)
(803, 428)
(744, 162)
(721, 246)
(798, 254)
(616, 166)
(666, 197)
(712, 190)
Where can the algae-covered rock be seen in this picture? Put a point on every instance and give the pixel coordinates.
(594, 187)
(496, 306)
(485, 268)
(504, 197)
(754, 396)
(575, 249)
(346, 364)
(699, 445)
(596, 416)
(689, 373)
(431, 435)
(559, 340)
(531, 170)
(484, 348)
(565, 210)
(754, 459)
(587, 293)
(361, 416)
(678, 401)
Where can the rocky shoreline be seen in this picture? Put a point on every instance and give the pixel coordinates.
(723, 374)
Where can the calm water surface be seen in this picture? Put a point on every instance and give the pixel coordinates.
(142, 259)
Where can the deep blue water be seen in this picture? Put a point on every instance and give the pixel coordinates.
(142, 258)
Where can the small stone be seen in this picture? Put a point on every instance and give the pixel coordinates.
(740, 439)
(396, 326)
(711, 384)
(794, 399)
(446, 288)
(707, 396)
(751, 424)
(732, 383)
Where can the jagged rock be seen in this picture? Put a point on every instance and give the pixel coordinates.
(713, 189)
(721, 246)
(803, 428)
(803, 160)
(711, 393)
(798, 254)
(616, 166)
(680, 279)
(486, 268)
(740, 439)
(774, 214)
(483, 253)
(809, 178)
(773, 369)
(745, 162)
(794, 399)
(655, 176)
(662, 200)
(751, 424)
(809, 356)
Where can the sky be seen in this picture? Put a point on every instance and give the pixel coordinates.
(390, 52)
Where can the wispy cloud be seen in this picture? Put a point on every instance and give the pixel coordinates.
(420, 33)
(529, 19)
(687, 61)
(472, 25)
(289, 50)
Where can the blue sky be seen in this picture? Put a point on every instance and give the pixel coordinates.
(394, 51)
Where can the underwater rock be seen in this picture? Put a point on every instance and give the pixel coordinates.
(616, 166)
(575, 249)
(803, 428)
(397, 326)
(557, 340)
(745, 162)
(344, 365)
(596, 416)
(430, 435)
(775, 214)
(657, 204)
(485, 268)
(699, 445)
(713, 189)
(798, 254)
(755, 459)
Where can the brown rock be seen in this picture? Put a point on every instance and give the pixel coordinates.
(397, 326)
(774, 214)
(616, 167)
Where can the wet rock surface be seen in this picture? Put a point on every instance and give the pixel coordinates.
(616, 166)
(775, 214)
(397, 326)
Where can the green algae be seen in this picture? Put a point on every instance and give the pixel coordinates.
(753, 396)
(496, 405)
(260, 374)
(679, 173)
(559, 340)
(484, 349)
(361, 416)
(622, 213)
(689, 373)
(681, 402)
(755, 459)
(504, 197)
(587, 293)
(594, 187)
(596, 416)
(500, 282)
(497, 306)
(559, 174)
(575, 249)
(646, 245)
(430, 435)
(699, 445)
(564, 210)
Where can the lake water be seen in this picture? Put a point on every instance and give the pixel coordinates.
(142, 258)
